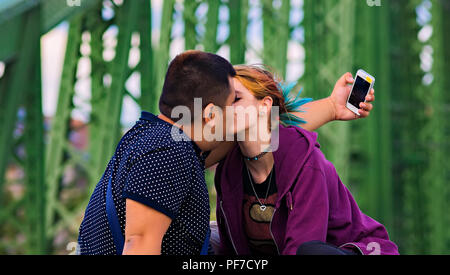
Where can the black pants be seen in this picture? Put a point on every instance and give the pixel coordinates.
(308, 248)
(321, 248)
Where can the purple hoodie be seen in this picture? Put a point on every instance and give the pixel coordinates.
(312, 204)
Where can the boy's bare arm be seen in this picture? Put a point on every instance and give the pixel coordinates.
(144, 229)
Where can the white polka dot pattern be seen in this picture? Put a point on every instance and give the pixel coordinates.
(150, 167)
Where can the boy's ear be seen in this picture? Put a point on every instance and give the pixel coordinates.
(208, 113)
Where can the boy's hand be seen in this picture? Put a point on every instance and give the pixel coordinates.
(339, 98)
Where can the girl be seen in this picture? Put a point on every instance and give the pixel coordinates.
(290, 201)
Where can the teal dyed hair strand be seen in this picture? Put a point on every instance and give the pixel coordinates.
(293, 104)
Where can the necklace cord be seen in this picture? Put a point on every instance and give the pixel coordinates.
(251, 184)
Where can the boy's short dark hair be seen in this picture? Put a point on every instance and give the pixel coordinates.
(196, 74)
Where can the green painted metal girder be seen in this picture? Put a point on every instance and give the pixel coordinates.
(97, 28)
(146, 65)
(53, 11)
(162, 52)
(407, 187)
(25, 90)
(13, 95)
(276, 34)
(110, 130)
(210, 38)
(11, 33)
(13, 8)
(60, 124)
(190, 22)
(238, 30)
(57, 11)
(329, 42)
(378, 127)
(13, 14)
(435, 133)
(35, 163)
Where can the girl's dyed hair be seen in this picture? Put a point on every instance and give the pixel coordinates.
(261, 83)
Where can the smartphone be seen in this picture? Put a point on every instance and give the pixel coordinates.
(363, 84)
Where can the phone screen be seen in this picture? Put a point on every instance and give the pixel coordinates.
(360, 90)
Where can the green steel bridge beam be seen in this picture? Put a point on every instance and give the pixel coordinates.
(60, 124)
(100, 69)
(276, 34)
(24, 85)
(147, 66)
(329, 43)
(16, 86)
(238, 30)
(110, 128)
(13, 14)
(190, 23)
(408, 201)
(436, 133)
(373, 35)
(162, 52)
(35, 163)
(210, 39)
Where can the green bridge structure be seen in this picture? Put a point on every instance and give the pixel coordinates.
(395, 162)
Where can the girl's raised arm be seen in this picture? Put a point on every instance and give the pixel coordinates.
(320, 112)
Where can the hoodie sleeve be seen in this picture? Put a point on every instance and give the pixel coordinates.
(324, 210)
(348, 227)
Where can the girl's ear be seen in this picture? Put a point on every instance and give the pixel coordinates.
(267, 103)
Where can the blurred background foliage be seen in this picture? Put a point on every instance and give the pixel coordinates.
(74, 76)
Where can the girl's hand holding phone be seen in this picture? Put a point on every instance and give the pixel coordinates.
(340, 95)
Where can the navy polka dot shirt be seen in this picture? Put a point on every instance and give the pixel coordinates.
(153, 168)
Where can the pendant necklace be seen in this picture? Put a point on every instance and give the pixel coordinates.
(262, 206)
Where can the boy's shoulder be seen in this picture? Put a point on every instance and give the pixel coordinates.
(146, 137)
